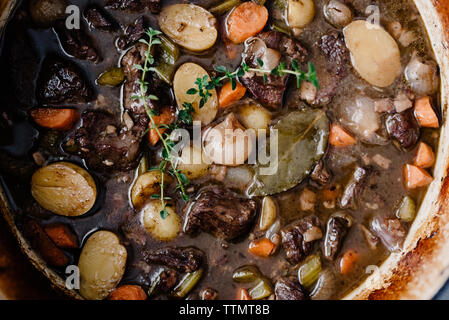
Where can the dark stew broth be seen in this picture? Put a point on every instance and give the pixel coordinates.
(319, 236)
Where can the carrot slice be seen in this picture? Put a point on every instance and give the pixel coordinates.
(245, 21)
(415, 177)
(243, 294)
(425, 114)
(51, 118)
(425, 158)
(166, 116)
(62, 236)
(262, 248)
(128, 292)
(228, 96)
(338, 137)
(348, 261)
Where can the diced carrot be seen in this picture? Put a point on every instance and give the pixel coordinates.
(262, 248)
(51, 118)
(415, 177)
(348, 261)
(425, 158)
(243, 294)
(128, 292)
(425, 114)
(228, 96)
(245, 21)
(62, 235)
(166, 116)
(338, 137)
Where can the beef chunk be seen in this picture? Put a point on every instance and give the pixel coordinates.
(104, 147)
(41, 242)
(134, 5)
(404, 128)
(289, 289)
(61, 82)
(390, 231)
(77, 43)
(99, 19)
(331, 67)
(320, 174)
(220, 212)
(288, 47)
(186, 260)
(337, 228)
(132, 34)
(298, 238)
(354, 188)
(166, 280)
(209, 294)
(271, 91)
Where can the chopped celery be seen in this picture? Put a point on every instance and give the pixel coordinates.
(144, 164)
(187, 284)
(113, 77)
(309, 271)
(261, 290)
(281, 27)
(246, 274)
(406, 210)
(167, 59)
(224, 7)
(280, 4)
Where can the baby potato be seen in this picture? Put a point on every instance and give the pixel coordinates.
(164, 229)
(184, 79)
(64, 189)
(300, 13)
(101, 265)
(192, 162)
(189, 25)
(253, 116)
(374, 53)
(146, 185)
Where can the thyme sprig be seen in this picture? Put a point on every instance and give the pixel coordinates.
(205, 85)
(167, 165)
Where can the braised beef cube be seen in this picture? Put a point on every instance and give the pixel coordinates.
(103, 145)
(269, 93)
(333, 66)
(209, 294)
(132, 34)
(354, 188)
(299, 237)
(390, 231)
(41, 242)
(404, 128)
(288, 47)
(337, 228)
(220, 212)
(320, 174)
(61, 82)
(186, 259)
(76, 42)
(134, 5)
(99, 19)
(289, 289)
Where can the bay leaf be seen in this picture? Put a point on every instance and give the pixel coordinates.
(302, 141)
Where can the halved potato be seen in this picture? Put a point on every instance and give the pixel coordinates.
(64, 188)
(189, 25)
(164, 229)
(300, 13)
(101, 265)
(146, 185)
(254, 116)
(184, 79)
(192, 162)
(374, 53)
